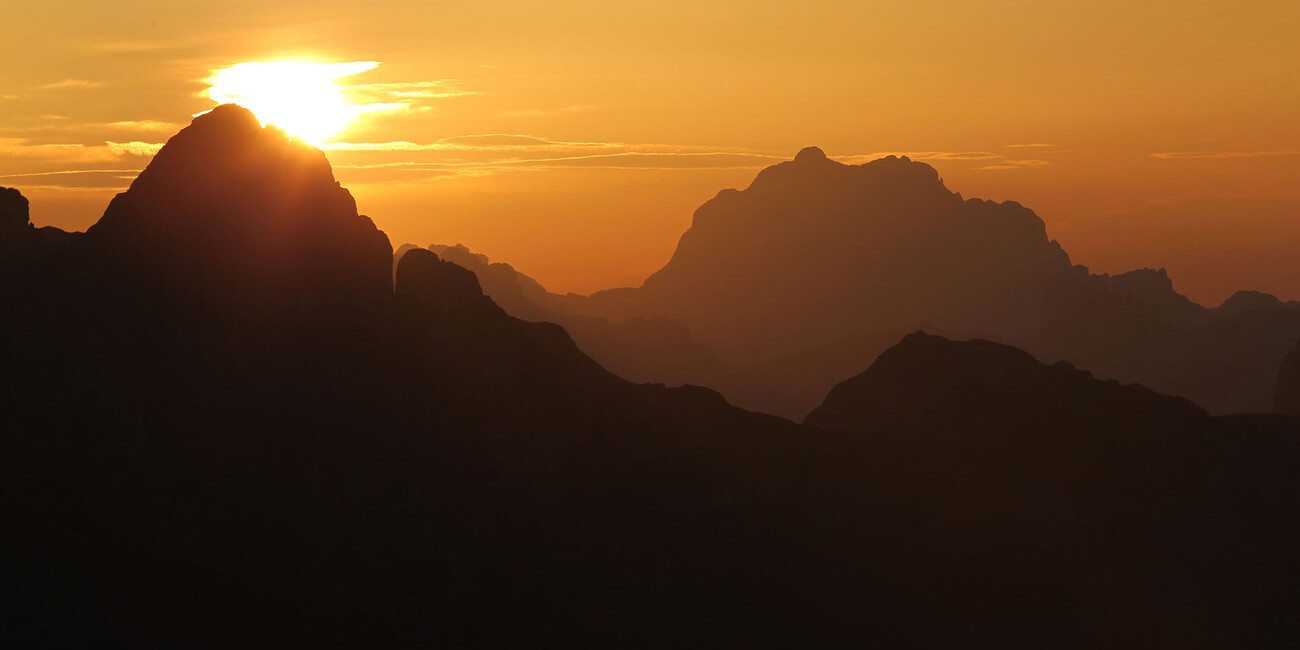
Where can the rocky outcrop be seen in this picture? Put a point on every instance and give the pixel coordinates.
(13, 213)
(429, 283)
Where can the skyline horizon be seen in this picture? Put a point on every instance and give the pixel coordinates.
(575, 140)
(1198, 295)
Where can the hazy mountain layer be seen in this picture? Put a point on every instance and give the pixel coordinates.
(815, 252)
(799, 281)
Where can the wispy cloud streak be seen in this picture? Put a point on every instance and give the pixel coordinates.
(1222, 155)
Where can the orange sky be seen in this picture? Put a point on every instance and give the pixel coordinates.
(573, 139)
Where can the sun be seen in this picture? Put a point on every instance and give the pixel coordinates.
(300, 97)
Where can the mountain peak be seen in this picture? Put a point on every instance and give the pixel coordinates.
(810, 154)
(228, 118)
(228, 146)
(14, 215)
(245, 210)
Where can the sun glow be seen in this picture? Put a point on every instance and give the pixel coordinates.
(300, 97)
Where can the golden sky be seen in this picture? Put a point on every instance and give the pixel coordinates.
(574, 138)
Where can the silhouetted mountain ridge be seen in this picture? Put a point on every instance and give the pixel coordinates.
(928, 381)
(638, 349)
(237, 212)
(330, 450)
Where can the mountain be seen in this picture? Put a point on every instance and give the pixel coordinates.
(329, 450)
(225, 184)
(815, 252)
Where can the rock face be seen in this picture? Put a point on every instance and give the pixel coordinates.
(1287, 400)
(815, 252)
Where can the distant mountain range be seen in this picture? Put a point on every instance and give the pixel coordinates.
(230, 416)
(779, 291)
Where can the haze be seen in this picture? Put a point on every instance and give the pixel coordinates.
(574, 139)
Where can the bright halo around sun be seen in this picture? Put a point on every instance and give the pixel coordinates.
(300, 97)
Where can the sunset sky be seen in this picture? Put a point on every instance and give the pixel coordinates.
(574, 138)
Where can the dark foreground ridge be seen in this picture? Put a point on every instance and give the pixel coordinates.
(231, 418)
(1287, 400)
(931, 383)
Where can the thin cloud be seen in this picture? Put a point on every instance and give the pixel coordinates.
(144, 125)
(132, 46)
(72, 172)
(72, 154)
(961, 155)
(73, 180)
(134, 148)
(1034, 145)
(550, 112)
(509, 140)
(1016, 164)
(507, 143)
(481, 154)
(71, 83)
(18, 147)
(613, 160)
(405, 95)
(1222, 155)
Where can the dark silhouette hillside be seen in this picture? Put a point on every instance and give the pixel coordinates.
(230, 418)
(638, 349)
(1139, 493)
(1287, 399)
(932, 383)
